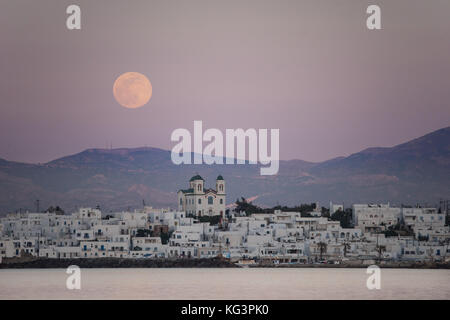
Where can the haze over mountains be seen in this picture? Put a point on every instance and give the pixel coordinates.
(417, 171)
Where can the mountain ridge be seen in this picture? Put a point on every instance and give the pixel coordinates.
(116, 179)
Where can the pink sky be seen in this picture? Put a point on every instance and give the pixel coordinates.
(309, 68)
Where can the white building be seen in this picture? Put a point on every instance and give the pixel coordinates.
(375, 217)
(279, 237)
(422, 217)
(335, 207)
(198, 201)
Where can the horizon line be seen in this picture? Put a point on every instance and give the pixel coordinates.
(284, 160)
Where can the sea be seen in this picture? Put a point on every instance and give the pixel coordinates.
(224, 283)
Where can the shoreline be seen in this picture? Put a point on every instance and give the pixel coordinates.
(46, 263)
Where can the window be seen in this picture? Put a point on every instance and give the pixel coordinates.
(221, 201)
(181, 201)
(199, 201)
(210, 200)
(199, 187)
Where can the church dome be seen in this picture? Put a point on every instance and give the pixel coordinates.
(220, 177)
(197, 177)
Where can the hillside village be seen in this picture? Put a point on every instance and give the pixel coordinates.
(203, 228)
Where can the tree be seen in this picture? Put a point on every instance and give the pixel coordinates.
(344, 217)
(325, 212)
(143, 233)
(390, 232)
(248, 207)
(213, 220)
(346, 248)
(56, 210)
(165, 236)
(381, 249)
(322, 248)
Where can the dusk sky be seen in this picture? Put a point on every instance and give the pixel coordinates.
(310, 68)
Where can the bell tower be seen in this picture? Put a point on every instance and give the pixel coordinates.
(220, 185)
(197, 183)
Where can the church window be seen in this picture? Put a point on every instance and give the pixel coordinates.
(199, 201)
(221, 201)
(210, 200)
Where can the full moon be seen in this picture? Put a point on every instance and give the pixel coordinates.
(132, 90)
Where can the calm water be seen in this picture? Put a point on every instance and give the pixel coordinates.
(224, 284)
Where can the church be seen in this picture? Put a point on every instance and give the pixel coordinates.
(198, 201)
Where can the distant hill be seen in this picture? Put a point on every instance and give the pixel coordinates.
(116, 179)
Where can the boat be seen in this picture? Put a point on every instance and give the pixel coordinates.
(245, 263)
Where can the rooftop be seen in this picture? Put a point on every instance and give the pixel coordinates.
(196, 177)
